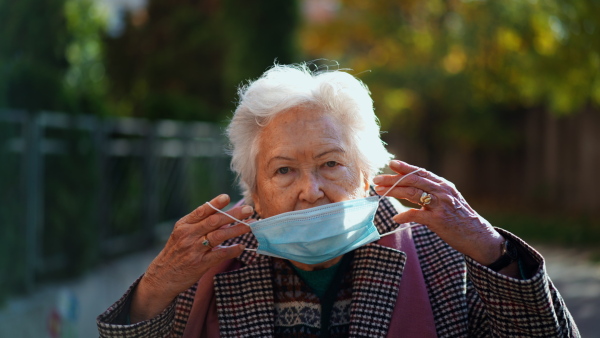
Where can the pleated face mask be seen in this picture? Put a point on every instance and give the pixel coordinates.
(319, 234)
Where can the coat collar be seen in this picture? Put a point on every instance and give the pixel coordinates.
(445, 274)
(377, 272)
(444, 270)
(245, 299)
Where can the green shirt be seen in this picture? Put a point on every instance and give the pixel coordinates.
(319, 280)
(325, 284)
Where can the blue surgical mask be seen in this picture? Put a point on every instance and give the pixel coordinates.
(319, 234)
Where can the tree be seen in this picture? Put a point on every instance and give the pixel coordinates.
(49, 60)
(184, 59)
(462, 69)
(476, 89)
(52, 62)
(32, 59)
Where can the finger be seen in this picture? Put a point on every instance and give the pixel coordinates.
(203, 211)
(411, 215)
(222, 253)
(217, 237)
(404, 168)
(410, 194)
(440, 186)
(218, 220)
(416, 186)
(413, 180)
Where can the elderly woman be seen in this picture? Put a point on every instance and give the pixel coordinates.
(316, 256)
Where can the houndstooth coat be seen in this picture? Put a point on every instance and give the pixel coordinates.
(467, 299)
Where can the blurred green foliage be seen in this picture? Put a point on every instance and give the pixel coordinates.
(460, 70)
(459, 81)
(184, 59)
(50, 55)
(85, 79)
(176, 60)
(50, 59)
(32, 59)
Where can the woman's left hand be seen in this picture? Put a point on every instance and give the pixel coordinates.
(447, 214)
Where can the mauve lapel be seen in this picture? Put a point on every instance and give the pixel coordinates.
(377, 271)
(445, 274)
(245, 303)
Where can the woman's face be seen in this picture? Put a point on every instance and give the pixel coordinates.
(303, 162)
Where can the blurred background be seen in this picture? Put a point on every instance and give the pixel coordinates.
(112, 114)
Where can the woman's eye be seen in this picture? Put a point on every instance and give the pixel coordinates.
(331, 164)
(283, 170)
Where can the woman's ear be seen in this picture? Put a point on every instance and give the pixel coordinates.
(256, 202)
(367, 184)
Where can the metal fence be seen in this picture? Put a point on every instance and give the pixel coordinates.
(75, 189)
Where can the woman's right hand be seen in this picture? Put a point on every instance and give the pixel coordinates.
(184, 259)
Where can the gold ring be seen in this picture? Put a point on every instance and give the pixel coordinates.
(425, 199)
(205, 241)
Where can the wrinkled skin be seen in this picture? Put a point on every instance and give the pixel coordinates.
(297, 173)
(448, 214)
(303, 162)
(184, 259)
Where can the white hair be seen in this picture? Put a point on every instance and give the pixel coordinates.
(283, 87)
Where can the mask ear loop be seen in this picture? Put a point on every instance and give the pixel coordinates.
(380, 198)
(233, 218)
(390, 189)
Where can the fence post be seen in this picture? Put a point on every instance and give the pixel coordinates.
(100, 131)
(33, 164)
(150, 181)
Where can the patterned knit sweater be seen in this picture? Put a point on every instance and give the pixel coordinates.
(300, 313)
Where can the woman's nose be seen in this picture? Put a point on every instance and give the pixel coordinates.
(311, 189)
